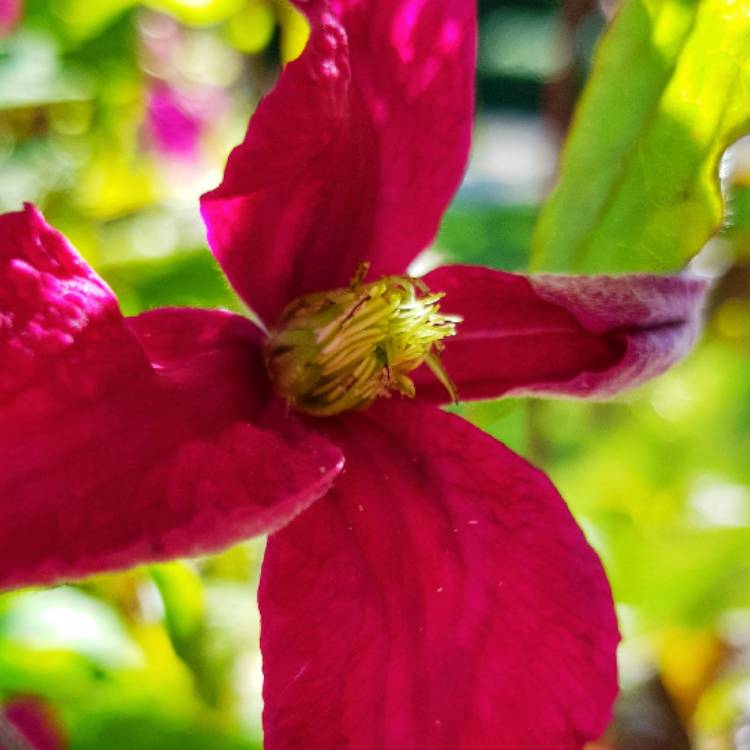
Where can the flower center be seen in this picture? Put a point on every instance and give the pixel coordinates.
(340, 350)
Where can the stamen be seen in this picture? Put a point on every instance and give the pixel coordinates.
(340, 350)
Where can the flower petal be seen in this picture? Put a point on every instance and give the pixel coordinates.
(30, 720)
(440, 596)
(174, 126)
(355, 154)
(582, 336)
(10, 15)
(126, 441)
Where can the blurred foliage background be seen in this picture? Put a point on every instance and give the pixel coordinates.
(115, 115)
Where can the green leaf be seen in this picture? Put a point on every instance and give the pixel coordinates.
(680, 575)
(64, 618)
(32, 74)
(55, 674)
(738, 229)
(251, 30)
(184, 606)
(494, 236)
(197, 12)
(660, 483)
(638, 188)
(118, 727)
(190, 278)
(85, 19)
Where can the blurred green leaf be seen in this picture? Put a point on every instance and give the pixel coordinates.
(32, 74)
(639, 190)
(738, 231)
(494, 236)
(55, 674)
(294, 30)
(184, 604)
(251, 30)
(138, 728)
(188, 278)
(506, 419)
(197, 12)
(65, 618)
(86, 19)
(202, 643)
(661, 486)
(677, 574)
(115, 185)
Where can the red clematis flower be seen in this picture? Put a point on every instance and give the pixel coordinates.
(424, 587)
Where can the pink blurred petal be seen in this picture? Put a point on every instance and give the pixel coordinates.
(356, 153)
(439, 597)
(585, 336)
(11, 12)
(36, 723)
(127, 441)
(174, 126)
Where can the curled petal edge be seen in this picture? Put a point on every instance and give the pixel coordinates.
(573, 336)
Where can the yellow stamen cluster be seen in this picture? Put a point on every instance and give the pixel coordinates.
(340, 350)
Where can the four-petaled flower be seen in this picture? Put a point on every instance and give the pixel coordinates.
(423, 587)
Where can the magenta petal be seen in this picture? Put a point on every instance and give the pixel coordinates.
(355, 154)
(127, 441)
(35, 722)
(175, 129)
(440, 597)
(583, 336)
(10, 15)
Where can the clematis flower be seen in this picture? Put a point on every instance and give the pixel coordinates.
(423, 587)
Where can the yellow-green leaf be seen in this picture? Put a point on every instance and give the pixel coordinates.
(638, 187)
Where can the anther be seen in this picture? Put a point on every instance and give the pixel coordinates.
(340, 350)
